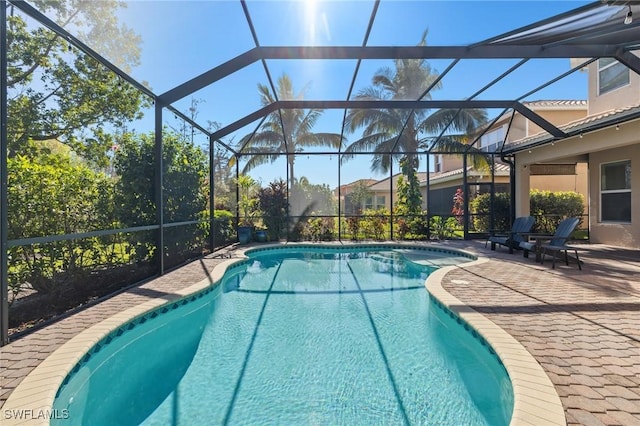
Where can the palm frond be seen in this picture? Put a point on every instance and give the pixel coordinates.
(459, 143)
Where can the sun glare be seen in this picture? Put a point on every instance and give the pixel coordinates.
(310, 7)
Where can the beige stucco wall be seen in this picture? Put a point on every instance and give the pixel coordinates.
(620, 97)
(521, 127)
(577, 183)
(557, 117)
(620, 234)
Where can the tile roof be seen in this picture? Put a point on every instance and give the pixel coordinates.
(501, 169)
(557, 103)
(589, 123)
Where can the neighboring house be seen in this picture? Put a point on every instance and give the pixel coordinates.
(345, 192)
(599, 158)
(443, 186)
(384, 192)
(608, 141)
(509, 128)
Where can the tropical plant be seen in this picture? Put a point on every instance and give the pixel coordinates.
(458, 206)
(392, 134)
(287, 131)
(353, 226)
(248, 203)
(275, 207)
(320, 229)
(443, 228)
(409, 198)
(375, 223)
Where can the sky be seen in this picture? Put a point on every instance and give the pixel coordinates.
(182, 39)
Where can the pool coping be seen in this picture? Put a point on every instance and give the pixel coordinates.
(535, 398)
(536, 401)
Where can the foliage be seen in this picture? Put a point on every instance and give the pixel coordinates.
(409, 130)
(248, 202)
(441, 228)
(275, 207)
(57, 92)
(550, 208)
(286, 130)
(375, 223)
(223, 180)
(353, 226)
(318, 199)
(320, 229)
(458, 206)
(358, 195)
(184, 171)
(411, 227)
(52, 194)
(409, 197)
(223, 227)
(480, 206)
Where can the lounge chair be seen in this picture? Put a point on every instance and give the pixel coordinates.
(521, 226)
(553, 244)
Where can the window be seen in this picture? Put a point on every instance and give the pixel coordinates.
(368, 203)
(611, 75)
(380, 201)
(615, 192)
(491, 141)
(437, 163)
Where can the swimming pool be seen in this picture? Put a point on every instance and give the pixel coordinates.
(297, 336)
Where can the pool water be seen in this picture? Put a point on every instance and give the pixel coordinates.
(315, 337)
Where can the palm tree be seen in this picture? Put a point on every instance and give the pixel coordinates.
(408, 80)
(285, 131)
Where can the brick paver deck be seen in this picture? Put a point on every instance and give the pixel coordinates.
(583, 327)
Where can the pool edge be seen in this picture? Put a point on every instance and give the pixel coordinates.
(36, 393)
(536, 400)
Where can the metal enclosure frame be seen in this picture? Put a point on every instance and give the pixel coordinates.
(546, 39)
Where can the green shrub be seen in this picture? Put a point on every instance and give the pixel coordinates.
(353, 226)
(480, 208)
(52, 194)
(320, 229)
(410, 227)
(223, 229)
(375, 223)
(549, 208)
(442, 229)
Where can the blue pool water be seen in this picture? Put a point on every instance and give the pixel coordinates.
(321, 337)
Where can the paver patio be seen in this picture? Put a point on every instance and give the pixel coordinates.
(583, 327)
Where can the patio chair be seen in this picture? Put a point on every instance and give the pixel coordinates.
(543, 244)
(521, 226)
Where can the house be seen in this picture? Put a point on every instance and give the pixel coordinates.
(384, 192)
(508, 129)
(345, 193)
(607, 140)
(596, 158)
